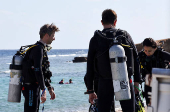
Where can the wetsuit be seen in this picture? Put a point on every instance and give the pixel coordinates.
(160, 59)
(61, 82)
(36, 76)
(96, 55)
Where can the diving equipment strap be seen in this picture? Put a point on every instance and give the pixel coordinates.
(118, 59)
(16, 67)
(28, 48)
(115, 37)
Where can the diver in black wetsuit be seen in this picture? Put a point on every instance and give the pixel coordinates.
(36, 71)
(70, 81)
(62, 81)
(99, 55)
(151, 57)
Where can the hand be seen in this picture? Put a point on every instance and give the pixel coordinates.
(43, 97)
(51, 92)
(135, 89)
(92, 96)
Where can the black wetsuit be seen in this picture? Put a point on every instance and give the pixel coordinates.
(36, 76)
(61, 82)
(160, 59)
(99, 45)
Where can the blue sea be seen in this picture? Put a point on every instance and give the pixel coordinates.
(69, 97)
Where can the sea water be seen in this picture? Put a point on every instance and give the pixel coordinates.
(69, 97)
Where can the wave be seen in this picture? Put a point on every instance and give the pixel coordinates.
(82, 51)
(64, 55)
(68, 55)
(52, 55)
(6, 72)
(8, 63)
(83, 54)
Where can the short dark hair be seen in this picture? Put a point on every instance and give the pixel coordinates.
(49, 29)
(109, 16)
(150, 43)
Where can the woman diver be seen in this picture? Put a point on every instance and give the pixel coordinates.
(151, 57)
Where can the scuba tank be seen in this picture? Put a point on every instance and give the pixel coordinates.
(15, 83)
(119, 71)
(14, 93)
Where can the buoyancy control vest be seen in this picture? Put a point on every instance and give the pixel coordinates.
(105, 43)
(28, 68)
(118, 64)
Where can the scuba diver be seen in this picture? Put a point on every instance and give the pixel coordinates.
(98, 53)
(36, 73)
(70, 81)
(62, 81)
(150, 57)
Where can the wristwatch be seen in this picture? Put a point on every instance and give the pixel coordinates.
(89, 92)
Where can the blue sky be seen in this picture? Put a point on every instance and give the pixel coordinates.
(20, 20)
